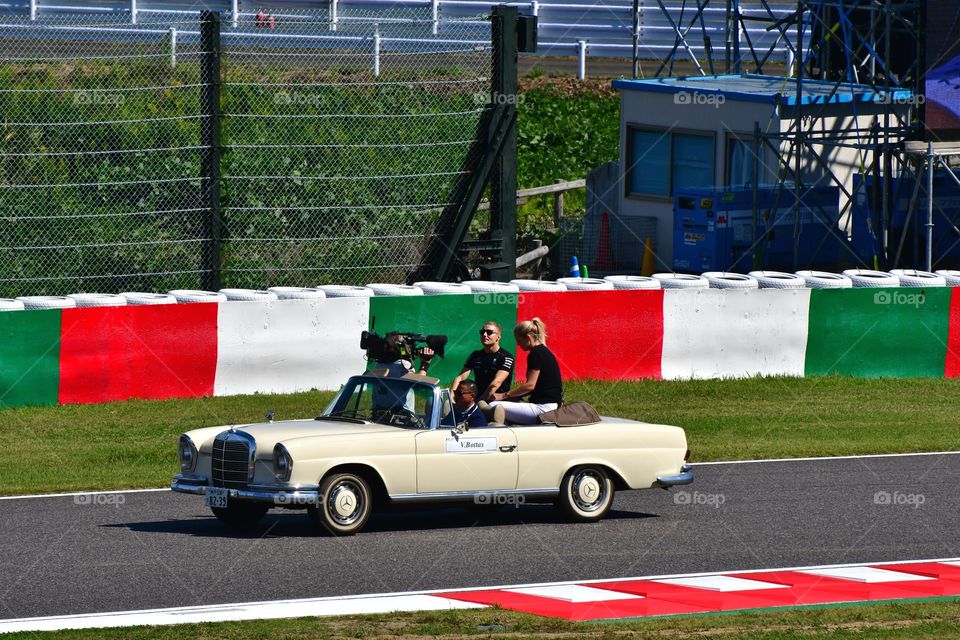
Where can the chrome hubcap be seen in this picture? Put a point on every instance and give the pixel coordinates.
(589, 491)
(345, 503)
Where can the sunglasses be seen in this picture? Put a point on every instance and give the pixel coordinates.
(462, 393)
(488, 332)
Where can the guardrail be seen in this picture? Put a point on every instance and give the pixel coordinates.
(663, 30)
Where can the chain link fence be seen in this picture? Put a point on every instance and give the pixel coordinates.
(339, 144)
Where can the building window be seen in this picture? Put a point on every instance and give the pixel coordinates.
(740, 160)
(661, 162)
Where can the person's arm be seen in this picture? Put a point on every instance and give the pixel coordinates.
(425, 358)
(490, 391)
(460, 378)
(521, 389)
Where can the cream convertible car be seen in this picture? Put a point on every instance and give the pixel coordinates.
(384, 441)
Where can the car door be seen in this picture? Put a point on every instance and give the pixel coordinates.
(482, 459)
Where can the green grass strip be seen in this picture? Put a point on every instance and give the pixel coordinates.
(921, 619)
(133, 444)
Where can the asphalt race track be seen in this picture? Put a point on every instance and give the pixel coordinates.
(110, 552)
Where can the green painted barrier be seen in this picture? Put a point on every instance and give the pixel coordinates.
(457, 316)
(29, 357)
(899, 332)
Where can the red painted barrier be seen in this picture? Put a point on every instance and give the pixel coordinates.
(951, 368)
(597, 335)
(117, 353)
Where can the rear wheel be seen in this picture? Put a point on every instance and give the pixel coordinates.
(586, 493)
(241, 515)
(344, 506)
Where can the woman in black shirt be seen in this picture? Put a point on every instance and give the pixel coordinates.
(544, 385)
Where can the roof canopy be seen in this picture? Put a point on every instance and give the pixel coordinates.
(767, 89)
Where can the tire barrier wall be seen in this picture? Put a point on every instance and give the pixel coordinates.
(288, 345)
(154, 351)
(457, 316)
(717, 333)
(605, 335)
(29, 357)
(899, 333)
(188, 350)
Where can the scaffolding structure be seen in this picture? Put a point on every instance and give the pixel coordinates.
(872, 51)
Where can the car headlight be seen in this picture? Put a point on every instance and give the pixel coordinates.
(188, 454)
(282, 463)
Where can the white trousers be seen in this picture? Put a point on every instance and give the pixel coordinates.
(523, 412)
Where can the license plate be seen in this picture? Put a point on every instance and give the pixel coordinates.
(217, 497)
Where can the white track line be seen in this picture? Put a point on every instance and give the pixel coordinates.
(83, 493)
(347, 605)
(814, 459)
(355, 605)
(693, 464)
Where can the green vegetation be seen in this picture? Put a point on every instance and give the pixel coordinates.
(932, 620)
(142, 211)
(133, 444)
(565, 129)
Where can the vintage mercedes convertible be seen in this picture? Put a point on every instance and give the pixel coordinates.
(391, 440)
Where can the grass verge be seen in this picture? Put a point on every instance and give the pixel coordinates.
(133, 444)
(914, 619)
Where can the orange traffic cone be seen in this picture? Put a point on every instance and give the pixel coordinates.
(648, 265)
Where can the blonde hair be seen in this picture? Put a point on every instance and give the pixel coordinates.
(534, 327)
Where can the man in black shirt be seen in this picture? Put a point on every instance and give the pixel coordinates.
(492, 366)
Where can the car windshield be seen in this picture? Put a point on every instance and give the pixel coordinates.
(390, 401)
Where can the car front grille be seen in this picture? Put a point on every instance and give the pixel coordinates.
(233, 453)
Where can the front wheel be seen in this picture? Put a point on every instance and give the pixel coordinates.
(241, 515)
(586, 493)
(344, 506)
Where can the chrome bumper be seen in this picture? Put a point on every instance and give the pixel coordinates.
(684, 477)
(280, 495)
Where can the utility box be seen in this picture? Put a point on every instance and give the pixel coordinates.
(714, 229)
(526, 34)
(906, 230)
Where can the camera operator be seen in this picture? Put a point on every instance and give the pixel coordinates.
(391, 357)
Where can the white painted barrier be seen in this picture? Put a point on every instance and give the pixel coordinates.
(728, 333)
(289, 346)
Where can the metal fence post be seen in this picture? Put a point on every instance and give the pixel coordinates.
(635, 29)
(334, 7)
(557, 205)
(133, 11)
(235, 12)
(173, 46)
(503, 178)
(581, 59)
(376, 52)
(210, 141)
(33, 9)
(435, 11)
